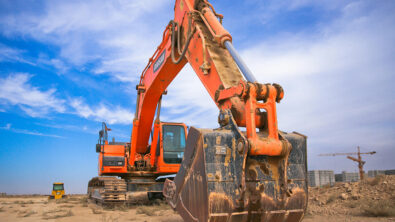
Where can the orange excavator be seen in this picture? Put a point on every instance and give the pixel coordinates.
(244, 170)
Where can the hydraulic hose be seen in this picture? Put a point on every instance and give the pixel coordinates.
(173, 41)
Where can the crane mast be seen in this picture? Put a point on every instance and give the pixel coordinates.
(358, 159)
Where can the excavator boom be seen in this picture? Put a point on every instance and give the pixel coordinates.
(197, 37)
(226, 174)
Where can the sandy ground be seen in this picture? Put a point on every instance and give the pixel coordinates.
(76, 208)
(341, 218)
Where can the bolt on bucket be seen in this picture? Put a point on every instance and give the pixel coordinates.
(219, 181)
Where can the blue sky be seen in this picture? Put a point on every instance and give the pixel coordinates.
(65, 66)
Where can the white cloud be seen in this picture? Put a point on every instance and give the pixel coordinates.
(15, 89)
(340, 50)
(188, 101)
(271, 11)
(113, 34)
(27, 132)
(7, 126)
(102, 113)
(59, 65)
(8, 54)
(337, 81)
(73, 128)
(330, 70)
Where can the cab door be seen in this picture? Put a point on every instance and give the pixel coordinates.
(172, 146)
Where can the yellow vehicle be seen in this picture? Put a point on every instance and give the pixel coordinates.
(57, 191)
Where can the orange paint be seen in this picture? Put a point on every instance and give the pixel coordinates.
(253, 105)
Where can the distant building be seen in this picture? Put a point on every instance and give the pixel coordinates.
(347, 177)
(338, 177)
(389, 172)
(321, 178)
(375, 173)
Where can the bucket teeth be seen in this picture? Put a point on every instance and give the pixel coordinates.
(218, 181)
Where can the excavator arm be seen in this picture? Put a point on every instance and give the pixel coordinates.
(197, 37)
(226, 174)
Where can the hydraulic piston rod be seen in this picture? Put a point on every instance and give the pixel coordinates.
(240, 63)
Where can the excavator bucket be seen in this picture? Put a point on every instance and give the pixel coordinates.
(219, 181)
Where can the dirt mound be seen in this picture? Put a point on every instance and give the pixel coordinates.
(371, 197)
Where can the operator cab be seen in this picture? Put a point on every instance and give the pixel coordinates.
(173, 143)
(58, 187)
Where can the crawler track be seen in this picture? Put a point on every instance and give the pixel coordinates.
(107, 191)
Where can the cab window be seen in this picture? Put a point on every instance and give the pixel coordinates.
(58, 187)
(173, 143)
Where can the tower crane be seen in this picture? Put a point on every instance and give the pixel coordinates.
(358, 159)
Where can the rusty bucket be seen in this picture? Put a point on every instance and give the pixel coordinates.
(219, 181)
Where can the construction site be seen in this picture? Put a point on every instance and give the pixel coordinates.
(331, 197)
(369, 200)
(106, 135)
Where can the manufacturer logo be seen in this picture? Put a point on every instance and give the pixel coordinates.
(182, 5)
(158, 63)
